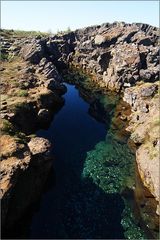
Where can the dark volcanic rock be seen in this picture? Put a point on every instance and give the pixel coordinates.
(118, 55)
(55, 86)
(34, 51)
(49, 70)
(24, 174)
(50, 100)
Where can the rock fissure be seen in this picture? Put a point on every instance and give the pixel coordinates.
(119, 57)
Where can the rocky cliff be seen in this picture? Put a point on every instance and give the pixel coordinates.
(125, 58)
(30, 95)
(119, 57)
(120, 54)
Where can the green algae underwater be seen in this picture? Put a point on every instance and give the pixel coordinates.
(111, 164)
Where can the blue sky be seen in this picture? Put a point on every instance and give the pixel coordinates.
(59, 15)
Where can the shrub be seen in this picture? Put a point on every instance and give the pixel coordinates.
(7, 127)
(22, 93)
(68, 30)
(3, 56)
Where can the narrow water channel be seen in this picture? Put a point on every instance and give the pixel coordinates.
(74, 207)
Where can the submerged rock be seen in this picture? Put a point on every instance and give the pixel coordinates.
(110, 166)
(130, 223)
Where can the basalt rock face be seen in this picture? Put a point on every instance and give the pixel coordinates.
(144, 128)
(117, 55)
(56, 49)
(124, 58)
(120, 57)
(34, 51)
(24, 169)
(31, 92)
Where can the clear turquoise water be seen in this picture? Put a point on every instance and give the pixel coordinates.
(83, 195)
(74, 207)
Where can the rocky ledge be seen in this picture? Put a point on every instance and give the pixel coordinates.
(125, 58)
(119, 57)
(30, 95)
(24, 169)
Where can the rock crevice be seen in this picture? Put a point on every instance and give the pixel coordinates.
(119, 57)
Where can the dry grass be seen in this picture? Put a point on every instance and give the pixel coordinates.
(10, 74)
(8, 145)
(22, 34)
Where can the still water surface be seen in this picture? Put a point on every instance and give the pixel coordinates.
(73, 207)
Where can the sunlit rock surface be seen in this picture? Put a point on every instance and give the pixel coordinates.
(119, 57)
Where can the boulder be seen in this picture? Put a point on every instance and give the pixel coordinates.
(53, 85)
(39, 145)
(22, 178)
(99, 39)
(110, 36)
